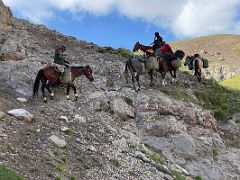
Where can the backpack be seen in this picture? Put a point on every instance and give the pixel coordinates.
(205, 63)
(176, 63)
(165, 48)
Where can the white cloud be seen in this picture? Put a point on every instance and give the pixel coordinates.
(185, 18)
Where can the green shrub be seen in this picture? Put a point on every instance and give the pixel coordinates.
(128, 100)
(198, 178)
(124, 53)
(109, 49)
(116, 162)
(214, 152)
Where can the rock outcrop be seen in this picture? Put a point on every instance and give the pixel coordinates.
(5, 16)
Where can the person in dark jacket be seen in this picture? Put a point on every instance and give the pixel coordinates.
(59, 57)
(158, 42)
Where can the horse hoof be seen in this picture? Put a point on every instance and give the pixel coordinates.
(67, 97)
(76, 98)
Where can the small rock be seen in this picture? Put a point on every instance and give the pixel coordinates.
(3, 135)
(64, 118)
(38, 130)
(22, 99)
(142, 156)
(2, 115)
(64, 129)
(80, 119)
(21, 114)
(56, 140)
(121, 144)
(92, 148)
(184, 171)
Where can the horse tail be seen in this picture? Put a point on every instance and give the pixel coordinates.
(37, 82)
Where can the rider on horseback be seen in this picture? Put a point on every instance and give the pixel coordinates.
(59, 57)
(157, 43)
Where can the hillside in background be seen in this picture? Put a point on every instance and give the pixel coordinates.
(187, 130)
(222, 51)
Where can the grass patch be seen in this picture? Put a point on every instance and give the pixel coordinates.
(68, 132)
(8, 174)
(128, 100)
(214, 152)
(233, 83)
(156, 158)
(176, 93)
(232, 143)
(132, 173)
(87, 165)
(116, 162)
(198, 178)
(177, 175)
(73, 178)
(61, 167)
(58, 178)
(223, 102)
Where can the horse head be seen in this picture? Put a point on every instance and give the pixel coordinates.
(136, 46)
(88, 73)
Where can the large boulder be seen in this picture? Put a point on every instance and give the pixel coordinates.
(12, 50)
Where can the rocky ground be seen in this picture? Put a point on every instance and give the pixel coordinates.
(111, 132)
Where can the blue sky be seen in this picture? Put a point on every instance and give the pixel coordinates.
(122, 23)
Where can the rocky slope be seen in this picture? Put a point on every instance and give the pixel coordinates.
(111, 132)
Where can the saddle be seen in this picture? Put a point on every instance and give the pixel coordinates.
(66, 76)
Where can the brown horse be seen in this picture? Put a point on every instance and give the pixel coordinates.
(197, 64)
(166, 66)
(49, 76)
(146, 49)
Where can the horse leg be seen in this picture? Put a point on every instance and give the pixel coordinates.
(151, 78)
(164, 79)
(199, 75)
(173, 74)
(49, 90)
(43, 92)
(75, 91)
(139, 85)
(68, 90)
(133, 81)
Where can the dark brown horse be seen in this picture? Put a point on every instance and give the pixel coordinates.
(146, 49)
(49, 76)
(166, 66)
(197, 64)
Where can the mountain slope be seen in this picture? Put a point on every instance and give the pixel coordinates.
(111, 132)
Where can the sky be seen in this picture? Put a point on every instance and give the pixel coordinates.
(120, 23)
